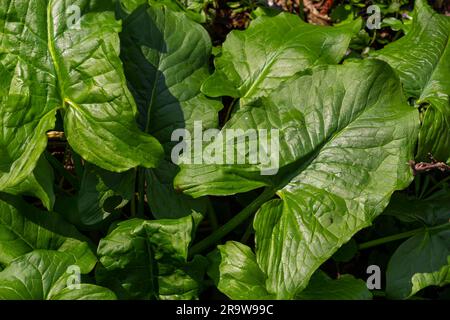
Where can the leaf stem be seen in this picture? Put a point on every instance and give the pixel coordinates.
(141, 193)
(417, 183)
(403, 235)
(237, 220)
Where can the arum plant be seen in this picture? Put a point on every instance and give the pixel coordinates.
(248, 169)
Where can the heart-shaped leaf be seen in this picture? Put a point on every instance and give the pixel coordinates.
(64, 55)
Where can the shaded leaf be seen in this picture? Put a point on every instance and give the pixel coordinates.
(429, 212)
(343, 150)
(39, 184)
(148, 260)
(68, 64)
(44, 275)
(322, 287)
(100, 199)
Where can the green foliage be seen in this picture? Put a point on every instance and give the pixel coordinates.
(104, 212)
(42, 275)
(422, 59)
(423, 259)
(165, 73)
(156, 252)
(60, 68)
(312, 182)
(322, 287)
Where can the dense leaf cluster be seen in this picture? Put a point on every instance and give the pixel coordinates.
(122, 220)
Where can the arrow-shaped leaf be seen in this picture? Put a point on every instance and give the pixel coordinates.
(64, 55)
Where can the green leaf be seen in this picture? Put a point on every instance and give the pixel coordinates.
(422, 59)
(39, 184)
(148, 259)
(343, 13)
(192, 9)
(103, 193)
(345, 137)
(346, 287)
(72, 65)
(45, 275)
(255, 61)
(164, 201)
(166, 59)
(85, 292)
(236, 273)
(439, 278)
(24, 228)
(395, 24)
(430, 212)
(420, 261)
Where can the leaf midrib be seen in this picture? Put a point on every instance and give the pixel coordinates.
(52, 50)
(13, 230)
(156, 75)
